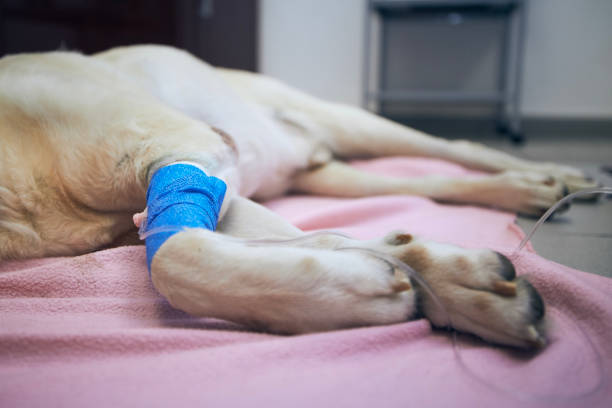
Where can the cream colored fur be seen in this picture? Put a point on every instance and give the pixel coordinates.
(81, 137)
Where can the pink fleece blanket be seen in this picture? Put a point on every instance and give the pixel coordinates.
(90, 331)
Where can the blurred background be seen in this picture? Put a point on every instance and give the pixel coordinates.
(224, 32)
(450, 65)
(532, 77)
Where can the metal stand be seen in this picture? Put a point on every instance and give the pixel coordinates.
(506, 97)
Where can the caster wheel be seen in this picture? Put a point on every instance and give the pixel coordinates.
(517, 138)
(501, 128)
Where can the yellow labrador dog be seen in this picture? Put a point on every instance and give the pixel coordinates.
(81, 138)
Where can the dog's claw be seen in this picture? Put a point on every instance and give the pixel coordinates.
(504, 288)
(534, 337)
(401, 286)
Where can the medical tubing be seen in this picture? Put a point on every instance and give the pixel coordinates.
(551, 210)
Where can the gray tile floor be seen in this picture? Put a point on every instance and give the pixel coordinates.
(582, 237)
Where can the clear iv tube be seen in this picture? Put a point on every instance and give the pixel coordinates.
(551, 210)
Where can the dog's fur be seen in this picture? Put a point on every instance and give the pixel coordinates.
(81, 137)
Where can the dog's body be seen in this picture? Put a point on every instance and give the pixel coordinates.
(82, 136)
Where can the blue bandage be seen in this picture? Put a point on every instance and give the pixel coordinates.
(181, 195)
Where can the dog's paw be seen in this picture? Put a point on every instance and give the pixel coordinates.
(477, 289)
(573, 178)
(528, 193)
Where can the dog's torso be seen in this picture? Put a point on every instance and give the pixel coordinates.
(271, 145)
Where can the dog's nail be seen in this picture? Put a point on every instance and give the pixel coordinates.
(401, 286)
(504, 288)
(534, 337)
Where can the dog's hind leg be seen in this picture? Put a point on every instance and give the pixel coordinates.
(351, 132)
(527, 193)
(354, 132)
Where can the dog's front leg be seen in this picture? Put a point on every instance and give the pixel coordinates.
(279, 288)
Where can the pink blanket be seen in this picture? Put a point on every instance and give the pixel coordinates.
(91, 331)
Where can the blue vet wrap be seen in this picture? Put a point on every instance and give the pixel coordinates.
(181, 195)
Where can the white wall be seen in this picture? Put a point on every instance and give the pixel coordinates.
(317, 45)
(568, 59)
